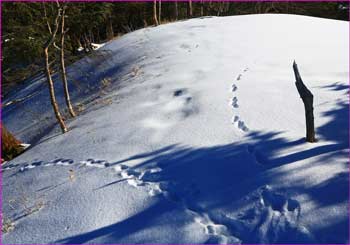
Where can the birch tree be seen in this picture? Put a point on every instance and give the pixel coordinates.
(190, 12)
(159, 11)
(155, 20)
(51, 39)
(176, 11)
(63, 68)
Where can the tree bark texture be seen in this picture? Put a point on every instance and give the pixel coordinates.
(202, 8)
(176, 11)
(155, 20)
(110, 31)
(63, 68)
(48, 74)
(190, 9)
(159, 11)
(308, 99)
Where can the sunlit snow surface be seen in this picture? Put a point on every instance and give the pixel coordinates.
(189, 132)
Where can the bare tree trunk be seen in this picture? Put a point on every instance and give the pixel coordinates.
(210, 8)
(110, 31)
(85, 45)
(144, 15)
(221, 8)
(176, 11)
(307, 98)
(189, 8)
(159, 11)
(63, 68)
(79, 42)
(202, 11)
(10, 146)
(87, 42)
(155, 21)
(91, 36)
(48, 73)
(52, 92)
(73, 43)
(98, 36)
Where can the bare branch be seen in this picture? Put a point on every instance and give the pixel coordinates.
(56, 24)
(55, 46)
(47, 20)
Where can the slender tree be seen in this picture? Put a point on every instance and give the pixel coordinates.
(190, 8)
(50, 41)
(159, 11)
(176, 11)
(63, 67)
(155, 20)
(202, 11)
(109, 30)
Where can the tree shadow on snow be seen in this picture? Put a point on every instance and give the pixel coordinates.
(206, 179)
(337, 86)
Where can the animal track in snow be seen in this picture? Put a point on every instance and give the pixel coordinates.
(234, 87)
(218, 233)
(234, 103)
(176, 106)
(179, 92)
(95, 163)
(58, 162)
(272, 218)
(120, 167)
(279, 219)
(131, 175)
(147, 178)
(235, 119)
(278, 202)
(242, 126)
(239, 124)
(186, 47)
(220, 239)
(151, 180)
(63, 162)
(257, 154)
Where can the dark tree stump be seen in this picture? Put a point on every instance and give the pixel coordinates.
(308, 100)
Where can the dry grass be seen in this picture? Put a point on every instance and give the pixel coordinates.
(37, 207)
(80, 107)
(135, 71)
(105, 82)
(7, 225)
(71, 175)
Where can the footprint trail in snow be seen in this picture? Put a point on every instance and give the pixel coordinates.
(179, 194)
(276, 219)
(268, 217)
(236, 120)
(57, 162)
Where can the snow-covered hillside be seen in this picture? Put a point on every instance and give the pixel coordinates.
(189, 132)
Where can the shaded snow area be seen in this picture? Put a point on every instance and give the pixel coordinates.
(189, 132)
